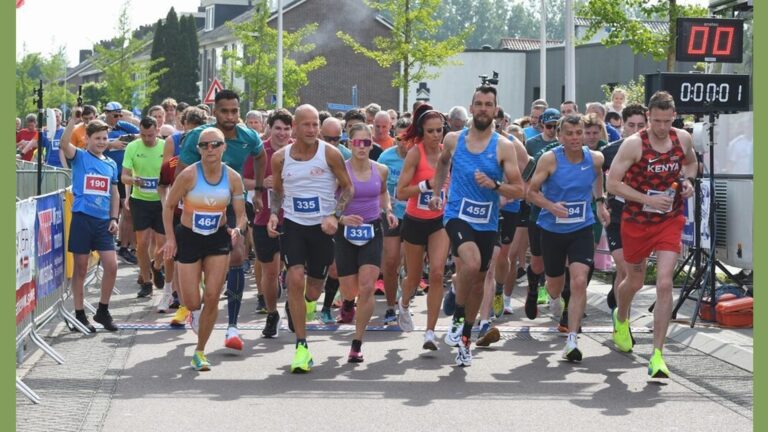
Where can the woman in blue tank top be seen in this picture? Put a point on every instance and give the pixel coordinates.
(359, 238)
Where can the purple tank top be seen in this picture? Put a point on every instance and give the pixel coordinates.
(365, 202)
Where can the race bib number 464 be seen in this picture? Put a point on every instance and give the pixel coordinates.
(94, 184)
(206, 223)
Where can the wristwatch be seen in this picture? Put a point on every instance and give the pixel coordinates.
(600, 199)
(259, 189)
(338, 214)
(498, 185)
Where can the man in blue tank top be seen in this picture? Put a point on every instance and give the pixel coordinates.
(483, 166)
(564, 183)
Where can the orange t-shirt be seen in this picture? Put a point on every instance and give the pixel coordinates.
(386, 143)
(78, 136)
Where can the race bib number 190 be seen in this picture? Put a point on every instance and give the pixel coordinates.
(206, 223)
(94, 184)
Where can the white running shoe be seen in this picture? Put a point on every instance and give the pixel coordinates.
(464, 356)
(193, 319)
(556, 307)
(453, 337)
(166, 299)
(571, 351)
(404, 318)
(430, 341)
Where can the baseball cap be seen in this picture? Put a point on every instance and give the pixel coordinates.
(550, 115)
(113, 106)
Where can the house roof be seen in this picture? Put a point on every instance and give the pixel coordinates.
(654, 26)
(224, 32)
(523, 44)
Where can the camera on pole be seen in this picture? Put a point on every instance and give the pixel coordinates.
(494, 80)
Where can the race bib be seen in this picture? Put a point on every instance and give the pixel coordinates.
(576, 213)
(206, 223)
(424, 197)
(307, 206)
(475, 211)
(359, 235)
(649, 209)
(148, 185)
(94, 184)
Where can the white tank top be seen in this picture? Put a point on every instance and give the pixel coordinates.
(308, 188)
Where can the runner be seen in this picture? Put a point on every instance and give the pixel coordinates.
(305, 176)
(393, 158)
(422, 229)
(241, 141)
(94, 215)
(566, 179)
(647, 173)
(483, 166)
(201, 243)
(359, 239)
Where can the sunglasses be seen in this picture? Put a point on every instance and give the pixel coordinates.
(164, 136)
(117, 115)
(332, 138)
(361, 142)
(210, 144)
(550, 126)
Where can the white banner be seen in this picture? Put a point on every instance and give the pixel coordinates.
(25, 258)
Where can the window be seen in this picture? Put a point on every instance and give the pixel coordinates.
(536, 93)
(209, 18)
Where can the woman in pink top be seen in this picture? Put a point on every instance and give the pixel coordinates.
(422, 229)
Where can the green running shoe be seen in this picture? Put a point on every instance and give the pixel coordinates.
(302, 360)
(199, 362)
(311, 309)
(621, 337)
(498, 305)
(543, 296)
(656, 367)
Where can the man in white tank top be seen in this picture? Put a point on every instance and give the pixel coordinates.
(306, 175)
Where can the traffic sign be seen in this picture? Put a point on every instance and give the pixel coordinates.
(340, 107)
(210, 96)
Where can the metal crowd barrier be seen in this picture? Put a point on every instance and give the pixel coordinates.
(54, 179)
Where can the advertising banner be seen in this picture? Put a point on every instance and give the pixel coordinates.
(25, 258)
(49, 229)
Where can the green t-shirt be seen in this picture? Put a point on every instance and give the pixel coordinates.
(145, 163)
(245, 142)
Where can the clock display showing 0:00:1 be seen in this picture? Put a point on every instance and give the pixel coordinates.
(710, 92)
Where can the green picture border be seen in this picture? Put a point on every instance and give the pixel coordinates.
(760, 230)
(8, 219)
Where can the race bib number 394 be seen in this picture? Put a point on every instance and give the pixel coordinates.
(206, 223)
(475, 211)
(94, 184)
(576, 213)
(307, 206)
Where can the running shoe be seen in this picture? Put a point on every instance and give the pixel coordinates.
(271, 328)
(571, 351)
(233, 339)
(430, 341)
(464, 355)
(657, 368)
(180, 317)
(288, 317)
(498, 305)
(562, 326)
(621, 336)
(379, 287)
(508, 306)
(145, 291)
(543, 296)
(326, 317)
(199, 362)
(404, 318)
(175, 304)
(193, 319)
(390, 316)
(449, 301)
(521, 274)
(127, 256)
(158, 277)
(556, 307)
(531, 304)
(261, 305)
(355, 356)
(302, 360)
(491, 335)
(311, 309)
(84, 321)
(347, 313)
(105, 319)
(452, 338)
(165, 300)
(611, 299)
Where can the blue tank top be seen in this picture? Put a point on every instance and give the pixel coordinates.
(477, 206)
(207, 202)
(92, 180)
(512, 207)
(571, 183)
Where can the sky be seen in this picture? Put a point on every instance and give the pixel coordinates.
(45, 25)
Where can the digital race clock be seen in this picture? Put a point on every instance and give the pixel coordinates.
(709, 40)
(702, 93)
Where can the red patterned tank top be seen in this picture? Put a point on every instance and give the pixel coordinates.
(654, 173)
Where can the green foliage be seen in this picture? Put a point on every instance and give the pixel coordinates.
(623, 18)
(413, 42)
(188, 73)
(32, 68)
(28, 75)
(95, 94)
(257, 64)
(635, 91)
(172, 49)
(128, 80)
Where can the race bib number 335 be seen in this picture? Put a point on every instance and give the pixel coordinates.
(307, 206)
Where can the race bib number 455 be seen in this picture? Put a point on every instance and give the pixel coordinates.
(94, 184)
(475, 211)
(576, 213)
(206, 223)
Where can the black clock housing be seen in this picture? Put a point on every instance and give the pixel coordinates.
(702, 93)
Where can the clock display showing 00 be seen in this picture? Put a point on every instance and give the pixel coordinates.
(702, 93)
(709, 40)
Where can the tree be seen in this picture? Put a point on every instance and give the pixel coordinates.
(158, 55)
(635, 91)
(257, 63)
(622, 17)
(412, 44)
(95, 94)
(32, 68)
(54, 70)
(129, 81)
(28, 75)
(188, 73)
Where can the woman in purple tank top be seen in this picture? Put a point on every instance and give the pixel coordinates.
(359, 239)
